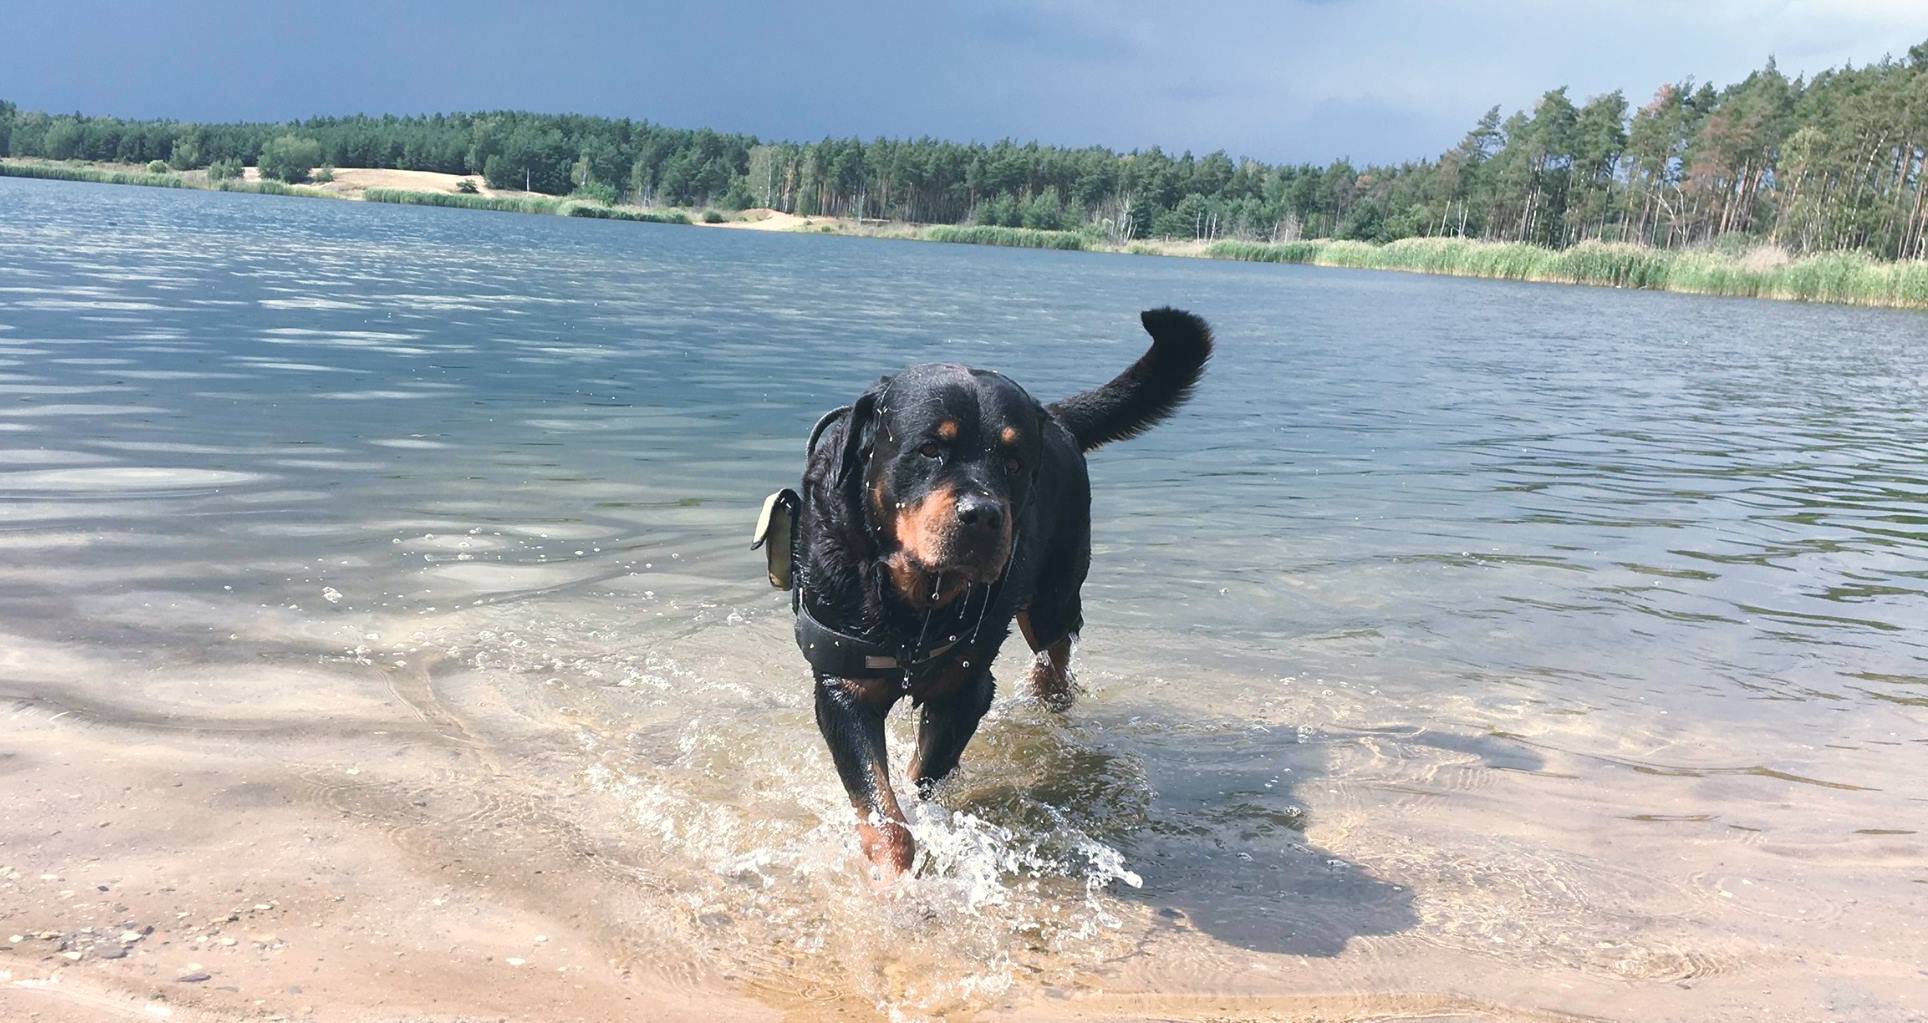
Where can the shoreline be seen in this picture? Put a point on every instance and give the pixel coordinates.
(1843, 278)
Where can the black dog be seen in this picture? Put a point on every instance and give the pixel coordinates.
(943, 504)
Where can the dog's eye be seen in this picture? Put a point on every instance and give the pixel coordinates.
(929, 449)
(1014, 465)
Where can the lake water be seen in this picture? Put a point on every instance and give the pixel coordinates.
(1465, 649)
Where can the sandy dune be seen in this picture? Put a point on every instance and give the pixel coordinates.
(352, 181)
(765, 219)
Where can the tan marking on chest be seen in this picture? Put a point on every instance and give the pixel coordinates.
(869, 690)
(945, 680)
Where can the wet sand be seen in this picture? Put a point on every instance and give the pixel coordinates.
(397, 842)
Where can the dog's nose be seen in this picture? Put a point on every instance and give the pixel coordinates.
(981, 513)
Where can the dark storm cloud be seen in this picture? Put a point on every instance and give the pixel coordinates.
(1374, 80)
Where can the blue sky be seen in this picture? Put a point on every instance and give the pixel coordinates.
(1375, 80)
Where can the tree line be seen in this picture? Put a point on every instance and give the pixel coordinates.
(1835, 162)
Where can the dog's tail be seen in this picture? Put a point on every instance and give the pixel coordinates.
(1148, 392)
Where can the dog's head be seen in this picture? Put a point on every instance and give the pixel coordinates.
(941, 459)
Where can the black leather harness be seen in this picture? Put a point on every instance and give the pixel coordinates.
(842, 655)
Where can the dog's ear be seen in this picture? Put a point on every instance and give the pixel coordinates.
(860, 432)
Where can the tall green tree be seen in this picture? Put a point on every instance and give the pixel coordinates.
(289, 158)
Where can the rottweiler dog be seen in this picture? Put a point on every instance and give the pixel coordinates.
(942, 505)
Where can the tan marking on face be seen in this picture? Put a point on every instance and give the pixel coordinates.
(915, 586)
(1008, 435)
(906, 578)
(947, 429)
(921, 530)
(921, 527)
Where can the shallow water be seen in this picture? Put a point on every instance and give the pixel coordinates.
(1465, 649)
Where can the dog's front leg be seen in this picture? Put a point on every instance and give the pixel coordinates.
(851, 716)
(945, 728)
(1050, 667)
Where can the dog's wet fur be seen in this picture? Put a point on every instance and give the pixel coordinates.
(948, 494)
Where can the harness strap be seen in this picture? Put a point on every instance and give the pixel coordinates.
(842, 655)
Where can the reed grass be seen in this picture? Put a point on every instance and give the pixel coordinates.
(543, 204)
(1850, 278)
(97, 175)
(266, 186)
(1845, 277)
(102, 176)
(510, 204)
(1015, 237)
(599, 212)
(459, 200)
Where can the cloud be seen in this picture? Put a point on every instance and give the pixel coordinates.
(1302, 80)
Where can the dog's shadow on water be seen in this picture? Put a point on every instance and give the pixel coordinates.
(1207, 814)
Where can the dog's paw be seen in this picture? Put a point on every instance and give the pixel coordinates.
(888, 851)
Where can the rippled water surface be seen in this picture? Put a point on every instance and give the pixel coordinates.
(1466, 649)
